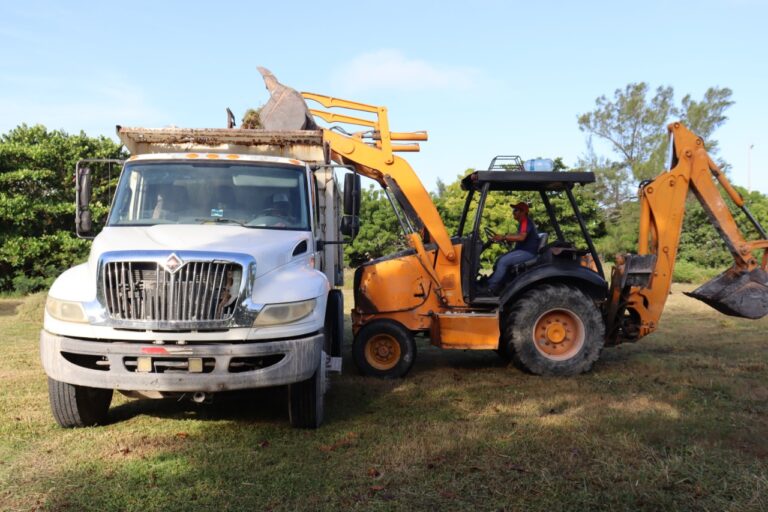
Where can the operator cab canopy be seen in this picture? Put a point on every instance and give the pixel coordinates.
(525, 180)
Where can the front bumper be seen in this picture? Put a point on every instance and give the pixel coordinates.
(111, 365)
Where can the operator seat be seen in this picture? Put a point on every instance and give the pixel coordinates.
(520, 267)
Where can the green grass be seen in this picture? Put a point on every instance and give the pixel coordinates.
(678, 421)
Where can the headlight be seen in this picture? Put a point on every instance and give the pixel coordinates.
(285, 313)
(65, 310)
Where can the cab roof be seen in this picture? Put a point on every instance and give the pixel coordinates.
(526, 180)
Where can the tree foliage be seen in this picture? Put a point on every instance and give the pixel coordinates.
(380, 232)
(632, 125)
(37, 203)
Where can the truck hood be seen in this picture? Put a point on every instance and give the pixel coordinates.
(270, 247)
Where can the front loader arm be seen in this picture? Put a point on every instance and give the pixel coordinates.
(739, 291)
(371, 153)
(372, 163)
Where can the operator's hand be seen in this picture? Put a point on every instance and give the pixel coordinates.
(498, 238)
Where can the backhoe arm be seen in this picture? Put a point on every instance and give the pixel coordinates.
(739, 291)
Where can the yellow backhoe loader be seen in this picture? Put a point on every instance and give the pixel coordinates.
(556, 311)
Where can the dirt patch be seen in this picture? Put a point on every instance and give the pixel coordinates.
(8, 308)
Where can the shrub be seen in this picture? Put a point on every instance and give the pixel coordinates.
(688, 272)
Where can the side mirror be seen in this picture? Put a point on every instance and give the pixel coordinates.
(350, 225)
(83, 219)
(352, 194)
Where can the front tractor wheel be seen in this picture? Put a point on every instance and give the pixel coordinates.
(384, 348)
(554, 330)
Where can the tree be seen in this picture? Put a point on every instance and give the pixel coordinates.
(380, 232)
(37, 203)
(633, 125)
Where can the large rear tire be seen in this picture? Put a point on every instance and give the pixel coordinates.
(78, 406)
(554, 330)
(384, 348)
(306, 399)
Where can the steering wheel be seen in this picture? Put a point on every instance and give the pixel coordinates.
(269, 212)
(489, 235)
(273, 217)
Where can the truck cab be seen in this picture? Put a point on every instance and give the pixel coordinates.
(217, 270)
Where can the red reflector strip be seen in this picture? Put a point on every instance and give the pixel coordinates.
(153, 350)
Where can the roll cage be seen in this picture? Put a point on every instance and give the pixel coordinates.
(486, 182)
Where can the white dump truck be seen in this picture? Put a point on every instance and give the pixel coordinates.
(217, 270)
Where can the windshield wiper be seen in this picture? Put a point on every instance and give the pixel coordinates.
(221, 220)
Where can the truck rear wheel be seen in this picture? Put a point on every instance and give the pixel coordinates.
(384, 348)
(554, 330)
(78, 406)
(306, 399)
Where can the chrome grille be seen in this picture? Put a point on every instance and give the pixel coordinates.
(198, 291)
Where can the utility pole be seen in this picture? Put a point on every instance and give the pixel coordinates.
(749, 167)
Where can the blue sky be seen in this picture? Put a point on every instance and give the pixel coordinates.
(483, 77)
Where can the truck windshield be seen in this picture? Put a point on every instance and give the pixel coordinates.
(255, 196)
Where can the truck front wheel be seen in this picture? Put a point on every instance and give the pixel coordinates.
(306, 399)
(553, 330)
(384, 348)
(78, 406)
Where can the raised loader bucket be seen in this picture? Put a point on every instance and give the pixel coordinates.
(736, 293)
(286, 109)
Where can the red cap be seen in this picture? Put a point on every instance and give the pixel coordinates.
(521, 206)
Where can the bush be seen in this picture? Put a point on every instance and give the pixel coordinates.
(37, 198)
(688, 272)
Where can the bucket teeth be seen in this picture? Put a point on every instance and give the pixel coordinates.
(735, 293)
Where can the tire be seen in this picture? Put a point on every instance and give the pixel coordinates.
(78, 406)
(334, 324)
(384, 348)
(554, 330)
(306, 399)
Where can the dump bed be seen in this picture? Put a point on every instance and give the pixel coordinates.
(305, 145)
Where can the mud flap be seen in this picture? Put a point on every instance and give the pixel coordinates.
(735, 293)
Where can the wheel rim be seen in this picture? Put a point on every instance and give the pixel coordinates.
(558, 334)
(382, 352)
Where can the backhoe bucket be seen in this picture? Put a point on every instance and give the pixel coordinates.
(736, 293)
(286, 109)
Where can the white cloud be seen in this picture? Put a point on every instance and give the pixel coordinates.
(391, 70)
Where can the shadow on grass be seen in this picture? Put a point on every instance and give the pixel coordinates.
(268, 405)
(256, 405)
